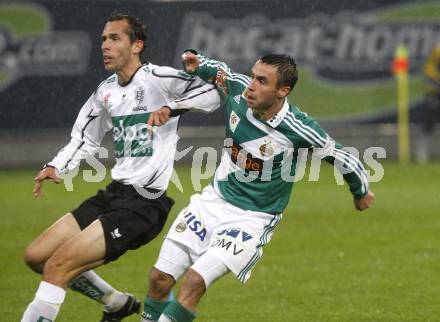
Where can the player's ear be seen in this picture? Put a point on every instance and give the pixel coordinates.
(283, 91)
(137, 46)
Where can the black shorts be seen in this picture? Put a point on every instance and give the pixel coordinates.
(129, 219)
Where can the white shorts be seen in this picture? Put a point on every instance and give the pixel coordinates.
(213, 226)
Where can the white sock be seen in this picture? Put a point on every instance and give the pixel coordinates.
(115, 301)
(93, 286)
(46, 304)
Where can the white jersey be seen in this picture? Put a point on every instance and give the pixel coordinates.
(141, 159)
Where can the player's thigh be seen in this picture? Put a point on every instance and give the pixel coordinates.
(194, 225)
(82, 252)
(132, 223)
(51, 239)
(210, 267)
(239, 242)
(174, 259)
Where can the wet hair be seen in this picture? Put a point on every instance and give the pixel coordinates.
(286, 66)
(137, 31)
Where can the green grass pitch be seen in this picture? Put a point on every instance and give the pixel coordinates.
(326, 261)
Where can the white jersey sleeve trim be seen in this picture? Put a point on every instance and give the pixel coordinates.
(90, 127)
(204, 98)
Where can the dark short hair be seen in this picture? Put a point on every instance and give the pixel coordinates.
(137, 31)
(286, 66)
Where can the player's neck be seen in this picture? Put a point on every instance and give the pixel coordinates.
(270, 112)
(126, 73)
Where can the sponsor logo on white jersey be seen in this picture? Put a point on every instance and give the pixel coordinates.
(231, 240)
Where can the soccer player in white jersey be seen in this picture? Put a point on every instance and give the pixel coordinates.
(224, 228)
(122, 216)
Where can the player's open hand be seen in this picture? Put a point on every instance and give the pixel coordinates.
(364, 202)
(190, 61)
(158, 118)
(46, 173)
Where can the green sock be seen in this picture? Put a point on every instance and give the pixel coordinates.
(176, 312)
(153, 309)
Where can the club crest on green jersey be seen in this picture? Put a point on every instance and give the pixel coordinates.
(233, 121)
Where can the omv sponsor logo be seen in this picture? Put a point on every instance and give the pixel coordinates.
(231, 240)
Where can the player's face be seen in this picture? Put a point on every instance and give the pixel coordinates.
(263, 91)
(117, 50)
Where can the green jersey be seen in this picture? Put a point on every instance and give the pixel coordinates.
(259, 160)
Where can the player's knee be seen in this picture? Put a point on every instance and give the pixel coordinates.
(160, 284)
(192, 289)
(57, 268)
(193, 283)
(32, 257)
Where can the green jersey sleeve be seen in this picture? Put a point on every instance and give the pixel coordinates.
(227, 81)
(309, 134)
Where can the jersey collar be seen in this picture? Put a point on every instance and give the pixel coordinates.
(132, 76)
(275, 120)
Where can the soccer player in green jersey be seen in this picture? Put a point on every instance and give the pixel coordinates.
(224, 228)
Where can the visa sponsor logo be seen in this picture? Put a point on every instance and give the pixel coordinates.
(195, 226)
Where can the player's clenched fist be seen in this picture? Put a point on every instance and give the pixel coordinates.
(190, 61)
(364, 202)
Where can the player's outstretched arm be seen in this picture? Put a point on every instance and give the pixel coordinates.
(48, 172)
(364, 202)
(203, 98)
